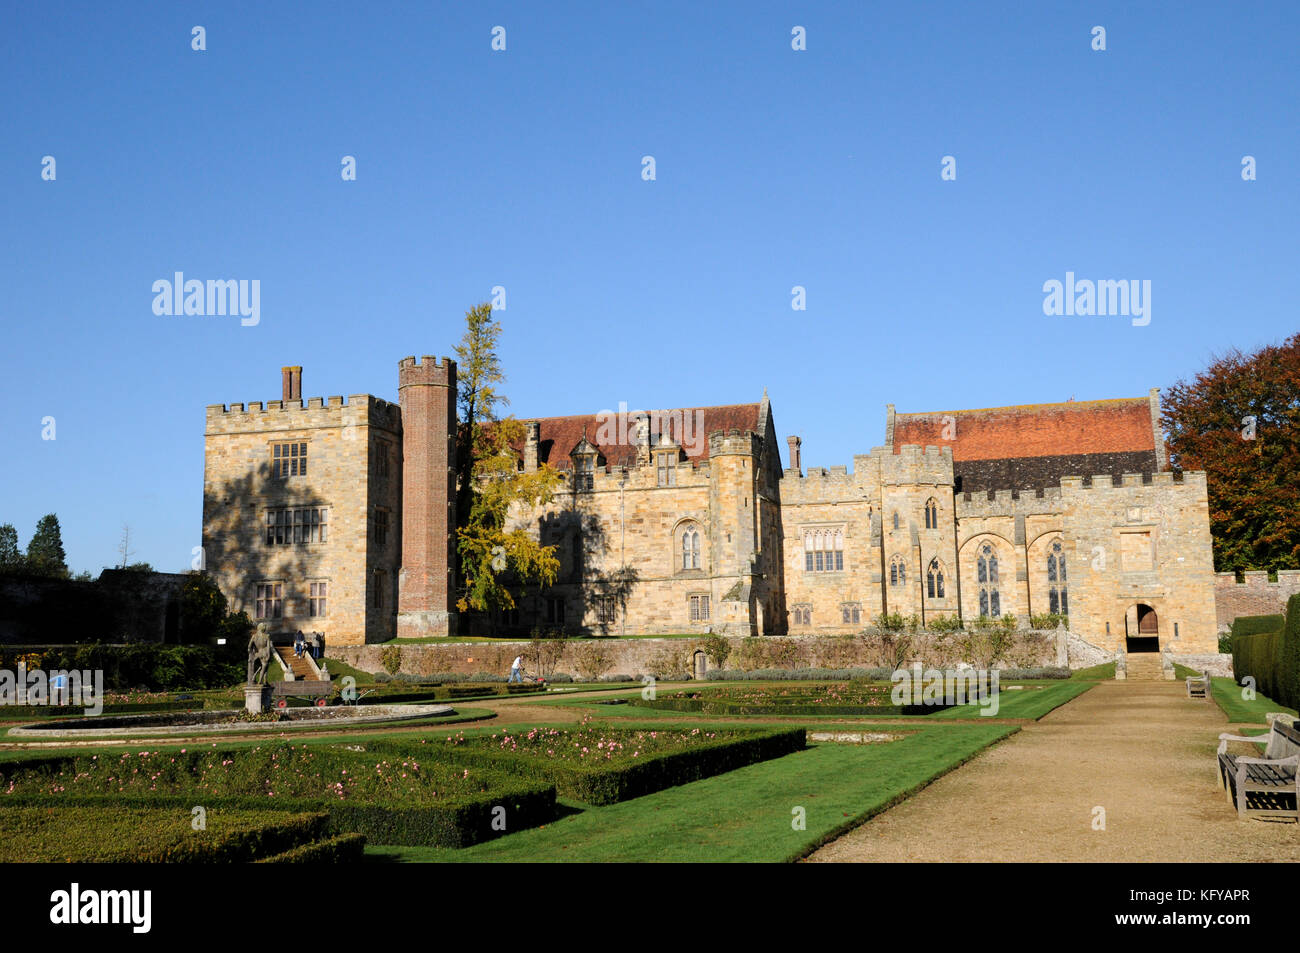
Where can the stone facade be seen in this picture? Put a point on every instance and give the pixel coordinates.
(257, 529)
(685, 521)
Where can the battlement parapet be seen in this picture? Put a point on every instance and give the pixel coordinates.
(313, 413)
(916, 464)
(1287, 579)
(1191, 479)
(427, 369)
(1010, 503)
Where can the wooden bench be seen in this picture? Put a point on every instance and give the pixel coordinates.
(1267, 786)
(1198, 686)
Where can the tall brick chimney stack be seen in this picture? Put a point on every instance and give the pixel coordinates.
(426, 586)
(795, 444)
(291, 383)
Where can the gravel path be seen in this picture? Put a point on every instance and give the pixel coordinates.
(1142, 751)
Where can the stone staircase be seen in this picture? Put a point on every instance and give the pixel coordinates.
(1145, 666)
(301, 668)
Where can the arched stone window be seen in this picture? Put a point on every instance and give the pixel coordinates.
(897, 571)
(1058, 596)
(689, 546)
(986, 577)
(934, 580)
(931, 514)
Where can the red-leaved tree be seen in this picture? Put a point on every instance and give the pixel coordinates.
(1239, 421)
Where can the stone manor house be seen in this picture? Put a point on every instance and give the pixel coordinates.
(336, 515)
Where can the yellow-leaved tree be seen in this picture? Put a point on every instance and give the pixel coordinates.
(489, 482)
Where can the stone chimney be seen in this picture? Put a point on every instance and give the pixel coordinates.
(532, 437)
(795, 443)
(291, 383)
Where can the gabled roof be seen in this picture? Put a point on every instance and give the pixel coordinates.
(1033, 430)
(559, 435)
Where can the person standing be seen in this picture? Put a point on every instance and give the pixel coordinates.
(515, 675)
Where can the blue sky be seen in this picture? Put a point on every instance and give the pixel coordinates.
(522, 168)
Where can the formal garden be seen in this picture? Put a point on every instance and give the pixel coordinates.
(757, 764)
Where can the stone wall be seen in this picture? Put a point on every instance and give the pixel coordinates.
(1216, 663)
(663, 657)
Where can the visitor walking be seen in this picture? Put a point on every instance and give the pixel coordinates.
(298, 644)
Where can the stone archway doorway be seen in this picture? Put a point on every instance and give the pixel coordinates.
(699, 665)
(1141, 628)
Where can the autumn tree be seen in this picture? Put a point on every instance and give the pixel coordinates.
(45, 555)
(1239, 421)
(489, 482)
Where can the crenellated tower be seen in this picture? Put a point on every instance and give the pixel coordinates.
(426, 583)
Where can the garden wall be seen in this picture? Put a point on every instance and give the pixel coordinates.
(669, 656)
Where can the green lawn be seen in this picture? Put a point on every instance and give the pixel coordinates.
(1227, 694)
(744, 815)
(1098, 673)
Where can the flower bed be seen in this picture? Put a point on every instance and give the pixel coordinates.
(392, 800)
(843, 698)
(32, 833)
(603, 765)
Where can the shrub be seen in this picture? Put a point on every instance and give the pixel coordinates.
(944, 623)
(1048, 620)
(1290, 661)
(390, 656)
(1255, 624)
(1272, 657)
(717, 649)
(591, 659)
(149, 665)
(667, 663)
(1050, 671)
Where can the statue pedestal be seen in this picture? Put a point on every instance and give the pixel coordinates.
(257, 698)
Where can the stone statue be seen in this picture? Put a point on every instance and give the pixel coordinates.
(259, 654)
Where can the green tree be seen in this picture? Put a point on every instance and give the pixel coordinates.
(203, 608)
(45, 555)
(489, 481)
(11, 556)
(1239, 421)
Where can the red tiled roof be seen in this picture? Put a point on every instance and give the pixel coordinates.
(1034, 430)
(559, 435)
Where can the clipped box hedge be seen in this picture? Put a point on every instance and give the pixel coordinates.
(1272, 658)
(18, 712)
(43, 829)
(711, 706)
(425, 810)
(600, 784)
(341, 849)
